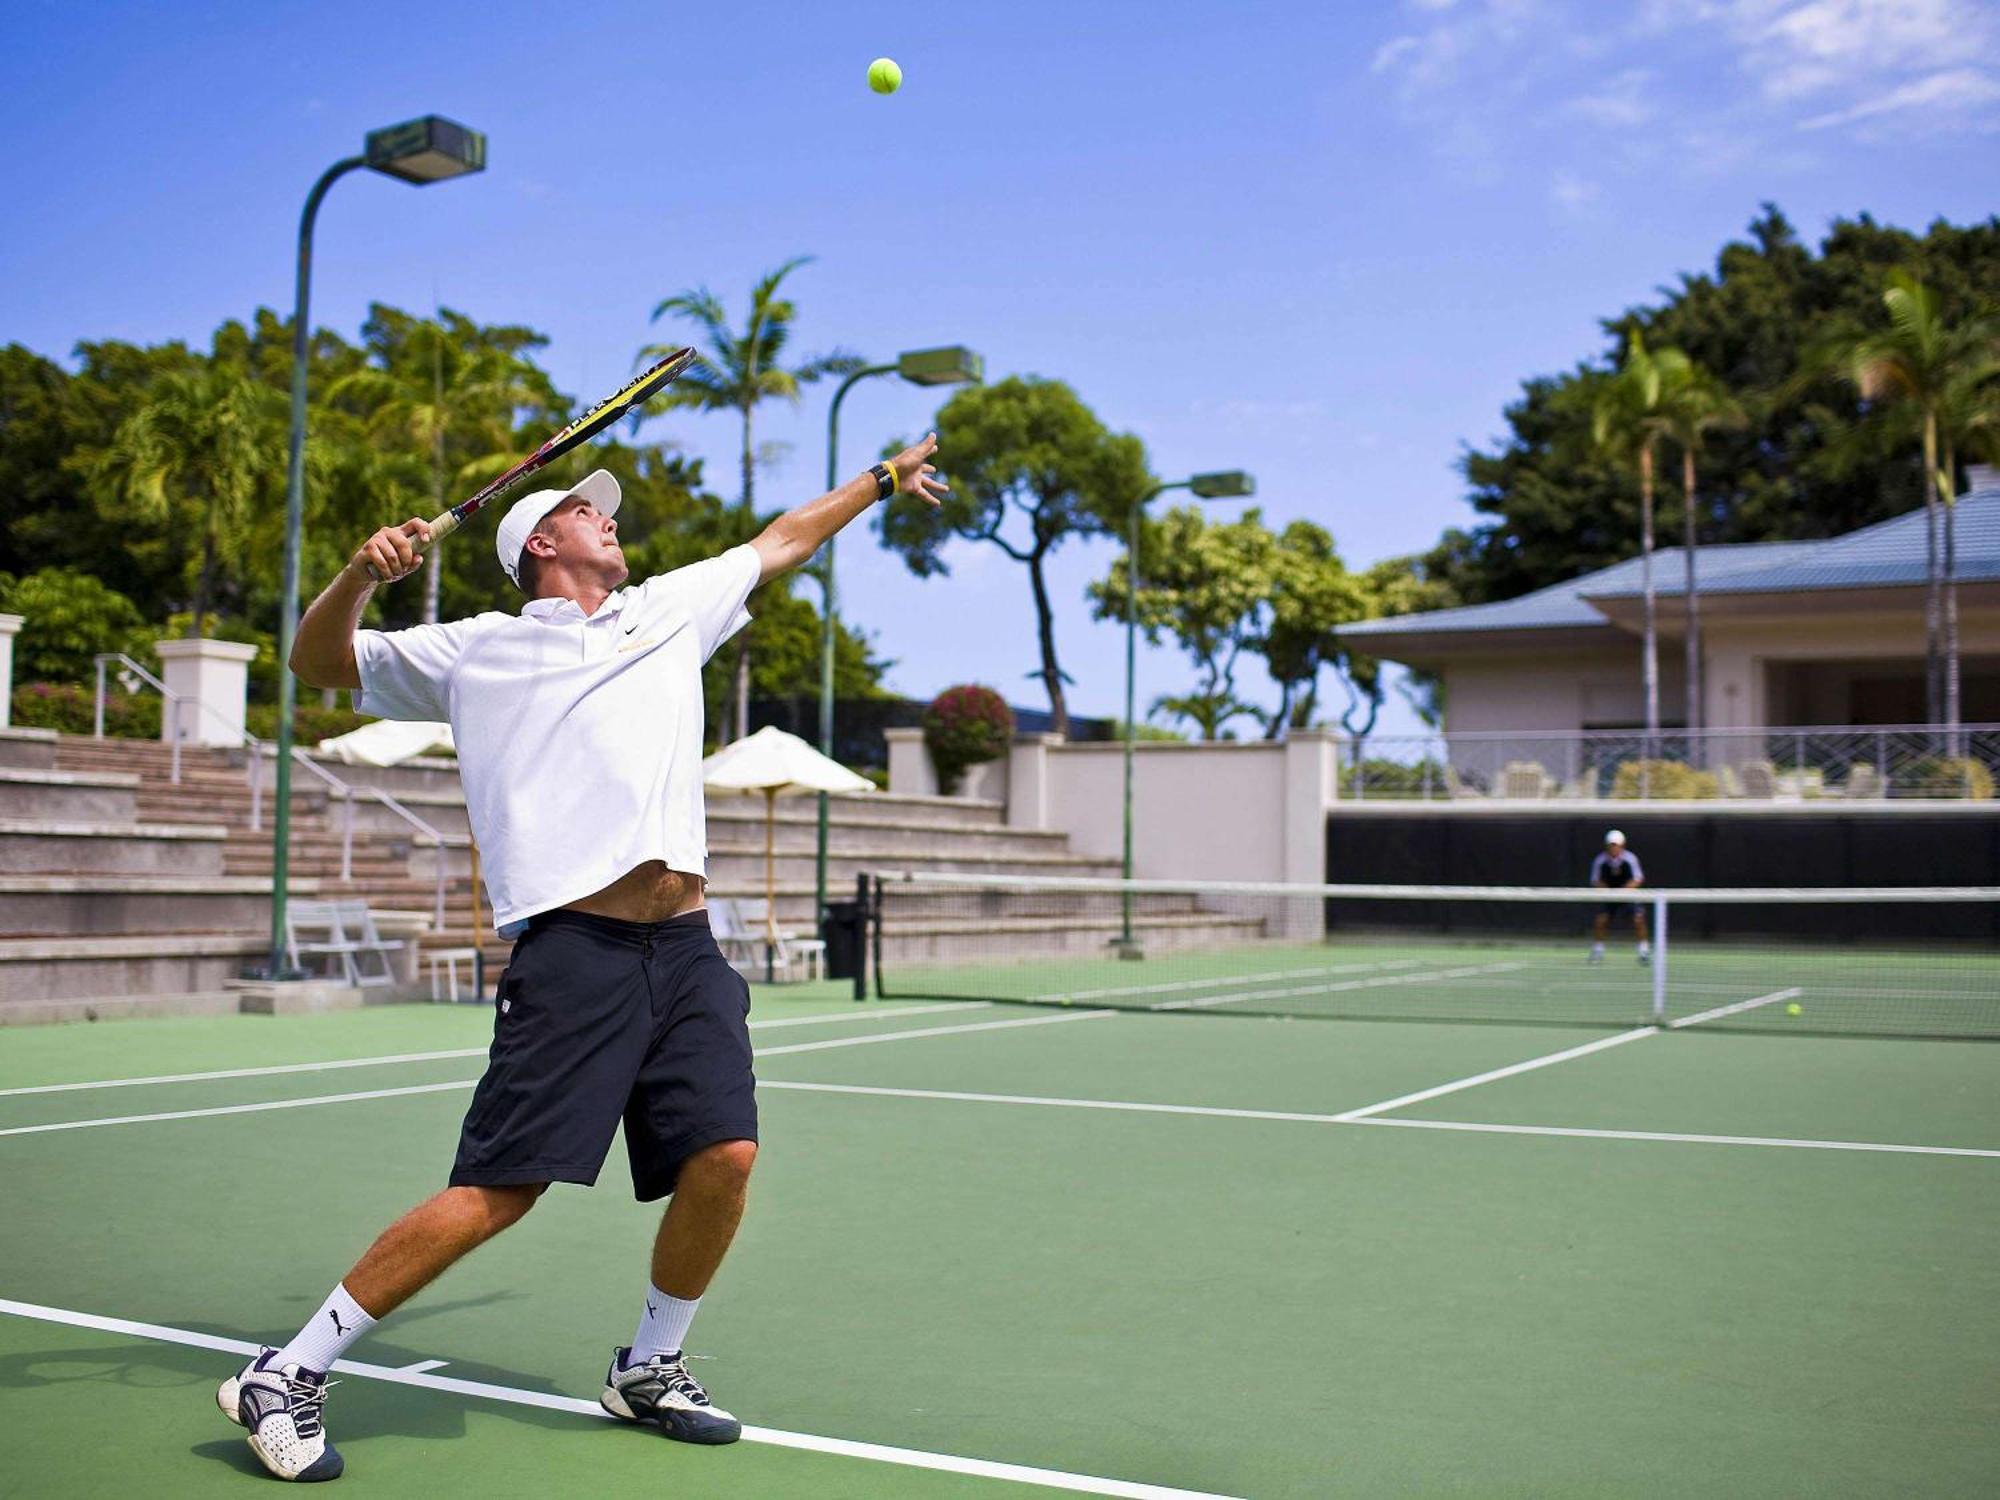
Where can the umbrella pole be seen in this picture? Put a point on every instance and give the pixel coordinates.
(770, 883)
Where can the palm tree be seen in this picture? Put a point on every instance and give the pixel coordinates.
(210, 442)
(1916, 364)
(1628, 418)
(737, 372)
(1697, 404)
(441, 386)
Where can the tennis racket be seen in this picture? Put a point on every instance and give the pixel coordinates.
(643, 388)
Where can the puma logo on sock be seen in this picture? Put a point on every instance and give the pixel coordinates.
(334, 1313)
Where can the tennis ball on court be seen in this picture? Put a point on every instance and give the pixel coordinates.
(884, 76)
(1795, 1009)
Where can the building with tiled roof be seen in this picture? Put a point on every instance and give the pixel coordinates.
(1821, 632)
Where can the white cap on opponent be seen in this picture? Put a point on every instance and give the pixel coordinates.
(1613, 837)
(600, 488)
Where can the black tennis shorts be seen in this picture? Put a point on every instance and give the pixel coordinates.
(597, 1021)
(1619, 908)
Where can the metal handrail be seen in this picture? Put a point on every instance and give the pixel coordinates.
(257, 748)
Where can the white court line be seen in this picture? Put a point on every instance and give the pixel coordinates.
(1377, 982)
(391, 1058)
(423, 1365)
(1507, 1072)
(466, 1083)
(1299, 1117)
(843, 1447)
(1795, 1142)
(899, 1036)
(1273, 976)
(1730, 1010)
(240, 1109)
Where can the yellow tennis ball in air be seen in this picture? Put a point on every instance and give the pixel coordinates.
(1795, 1009)
(884, 76)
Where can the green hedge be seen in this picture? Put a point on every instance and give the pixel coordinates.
(71, 709)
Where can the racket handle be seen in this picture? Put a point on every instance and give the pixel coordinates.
(441, 528)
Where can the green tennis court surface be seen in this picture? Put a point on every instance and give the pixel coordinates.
(1121, 1253)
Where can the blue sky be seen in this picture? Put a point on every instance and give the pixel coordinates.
(1320, 242)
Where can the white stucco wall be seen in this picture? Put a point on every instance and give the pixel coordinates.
(1563, 692)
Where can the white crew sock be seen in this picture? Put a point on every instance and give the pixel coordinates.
(338, 1323)
(663, 1327)
(1645, 948)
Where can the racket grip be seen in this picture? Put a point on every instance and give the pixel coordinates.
(441, 528)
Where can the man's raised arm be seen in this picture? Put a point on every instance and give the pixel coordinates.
(323, 650)
(799, 533)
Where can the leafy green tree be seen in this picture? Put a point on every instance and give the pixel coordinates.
(1793, 470)
(69, 617)
(439, 399)
(1211, 587)
(738, 372)
(1312, 596)
(1031, 467)
(199, 454)
(1921, 362)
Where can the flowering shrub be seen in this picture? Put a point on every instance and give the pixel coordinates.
(1945, 776)
(71, 709)
(966, 727)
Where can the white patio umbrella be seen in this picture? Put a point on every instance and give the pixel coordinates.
(778, 765)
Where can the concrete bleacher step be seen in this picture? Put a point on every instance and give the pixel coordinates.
(51, 847)
(43, 969)
(24, 749)
(106, 905)
(72, 796)
(121, 1007)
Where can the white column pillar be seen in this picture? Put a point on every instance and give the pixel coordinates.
(910, 770)
(1312, 784)
(212, 681)
(10, 626)
(1028, 780)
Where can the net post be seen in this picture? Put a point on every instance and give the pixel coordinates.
(1659, 959)
(875, 934)
(867, 920)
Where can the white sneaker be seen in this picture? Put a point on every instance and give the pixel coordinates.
(1597, 953)
(660, 1390)
(282, 1409)
(1645, 955)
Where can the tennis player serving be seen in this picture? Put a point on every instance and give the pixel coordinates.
(579, 732)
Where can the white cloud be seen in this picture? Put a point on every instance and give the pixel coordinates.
(1570, 191)
(1736, 80)
(1955, 92)
(1620, 102)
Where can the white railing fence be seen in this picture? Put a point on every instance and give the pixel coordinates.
(254, 772)
(1791, 764)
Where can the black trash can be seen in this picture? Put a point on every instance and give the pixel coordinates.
(843, 932)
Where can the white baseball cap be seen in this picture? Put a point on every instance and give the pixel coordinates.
(1613, 837)
(525, 514)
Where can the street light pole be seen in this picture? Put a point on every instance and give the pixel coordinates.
(1229, 484)
(949, 366)
(420, 151)
(827, 635)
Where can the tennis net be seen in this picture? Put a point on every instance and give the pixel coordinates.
(1908, 961)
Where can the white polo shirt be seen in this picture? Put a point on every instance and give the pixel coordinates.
(579, 736)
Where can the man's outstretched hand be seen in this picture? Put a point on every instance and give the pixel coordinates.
(917, 475)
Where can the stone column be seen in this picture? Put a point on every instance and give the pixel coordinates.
(1312, 783)
(212, 681)
(1028, 780)
(910, 771)
(10, 626)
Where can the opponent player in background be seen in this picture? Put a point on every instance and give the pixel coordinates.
(1616, 868)
(579, 731)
